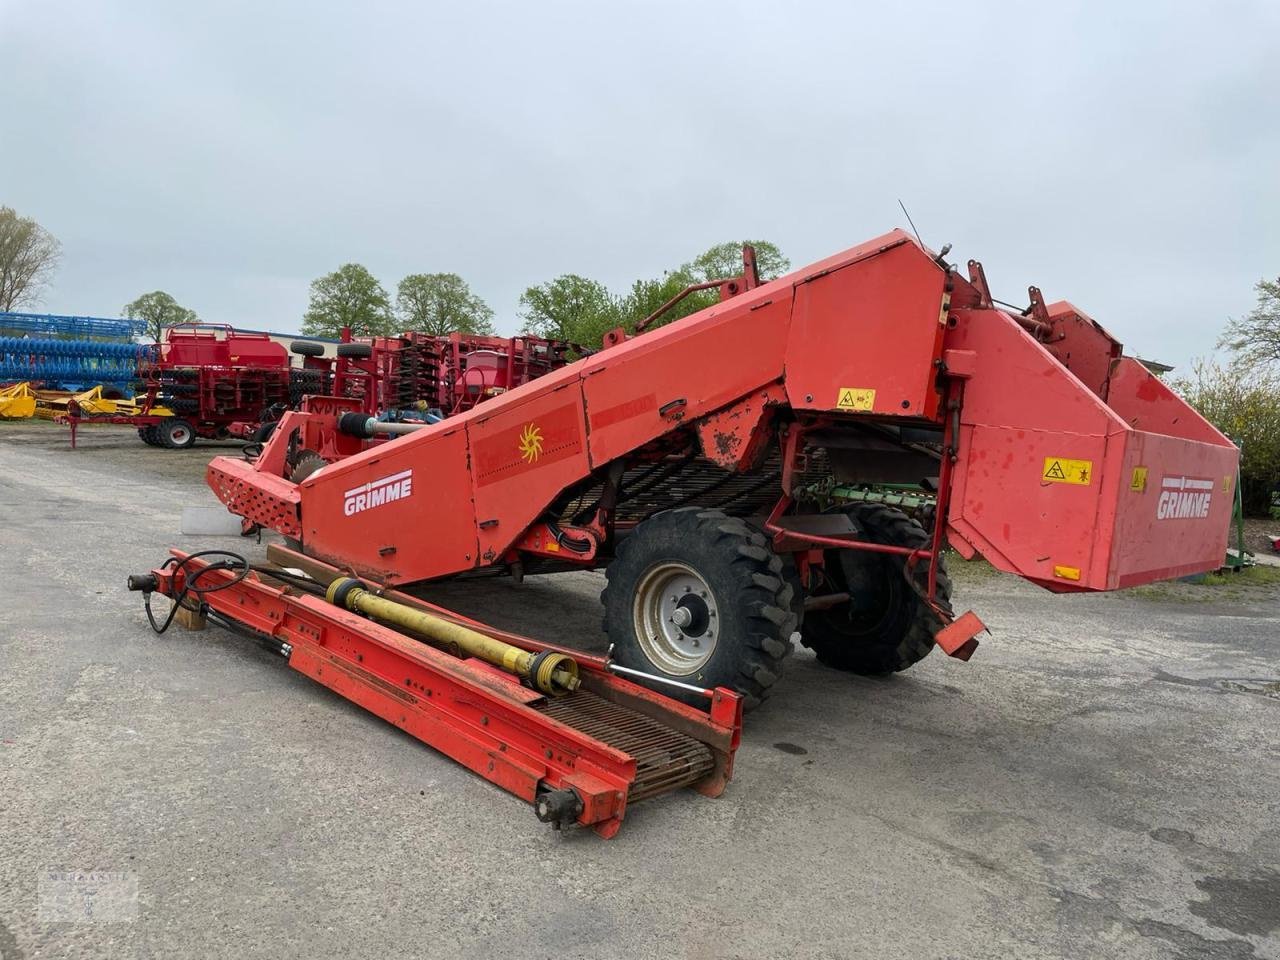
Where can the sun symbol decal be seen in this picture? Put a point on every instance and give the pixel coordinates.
(530, 443)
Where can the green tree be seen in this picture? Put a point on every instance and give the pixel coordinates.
(575, 308)
(1243, 401)
(1256, 337)
(159, 310)
(348, 297)
(725, 260)
(646, 296)
(720, 262)
(440, 303)
(29, 255)
(570, 308)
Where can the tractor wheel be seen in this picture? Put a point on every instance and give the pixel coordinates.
(696, 596)
(885, 626)
(175, 433)
(148, 435)
(304, 348)
(354, 351)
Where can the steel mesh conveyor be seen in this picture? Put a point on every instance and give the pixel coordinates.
(666, 759)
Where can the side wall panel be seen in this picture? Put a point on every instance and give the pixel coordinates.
(399, 533)
(865, 338)
(522, 457)
(707, 365)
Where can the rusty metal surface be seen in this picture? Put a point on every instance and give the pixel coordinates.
(665, 759)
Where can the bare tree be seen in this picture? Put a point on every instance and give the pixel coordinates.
(1256, 338)
(29, 254)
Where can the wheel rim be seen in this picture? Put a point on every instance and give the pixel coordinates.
(676, 618)
(179, 434)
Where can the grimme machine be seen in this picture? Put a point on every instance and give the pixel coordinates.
(680, 461)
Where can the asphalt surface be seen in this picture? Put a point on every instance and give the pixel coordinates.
(1101, 780)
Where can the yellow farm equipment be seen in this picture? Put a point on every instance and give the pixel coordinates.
(17, 402)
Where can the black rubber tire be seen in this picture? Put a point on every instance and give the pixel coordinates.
(147, 435)
(264, 431)
(894, 627)
(304, 349)
(356, 351)
(755, 622)
(175, 433)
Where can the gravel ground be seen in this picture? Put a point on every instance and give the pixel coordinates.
(1101, 780)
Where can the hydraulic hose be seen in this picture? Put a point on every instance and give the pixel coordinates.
(551, 673)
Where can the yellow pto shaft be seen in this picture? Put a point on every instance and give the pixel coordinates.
(551, 673)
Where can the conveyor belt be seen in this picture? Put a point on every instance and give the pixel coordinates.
(665, 759)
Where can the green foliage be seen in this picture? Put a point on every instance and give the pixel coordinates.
(1242, 401)
(440, 303)
(570, 308)
(725, 260)
(348, 297)
(1256, 338)
(582, 311)
(29, 255)
(159, 310)
(646, 296)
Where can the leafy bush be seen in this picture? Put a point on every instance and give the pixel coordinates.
(1243, 402)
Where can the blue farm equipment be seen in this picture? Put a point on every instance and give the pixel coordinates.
(71, 364)
(60, 325)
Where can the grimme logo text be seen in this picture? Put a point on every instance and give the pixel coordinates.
(1183, 498)
(375, 493)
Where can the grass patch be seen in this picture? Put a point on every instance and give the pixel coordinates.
(1259, 576)
(1249, 583)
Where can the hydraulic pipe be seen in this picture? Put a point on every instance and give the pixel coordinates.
(548, 672)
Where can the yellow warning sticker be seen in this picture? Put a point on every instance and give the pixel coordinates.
(1066, 573)
(1063, 470)
(855, 398)
(1138, 482)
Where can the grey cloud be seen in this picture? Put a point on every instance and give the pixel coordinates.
(1122, 156)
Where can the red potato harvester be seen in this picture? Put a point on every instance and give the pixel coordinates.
(677, 460)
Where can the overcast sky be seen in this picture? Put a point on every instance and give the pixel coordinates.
(1124, 156)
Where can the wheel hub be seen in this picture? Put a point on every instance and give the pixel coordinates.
(676, 617)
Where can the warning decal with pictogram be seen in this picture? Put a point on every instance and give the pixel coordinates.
(1066, 470)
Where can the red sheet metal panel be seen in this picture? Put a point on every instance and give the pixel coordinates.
(399, 512)
(1174, 516)
(1145, 402)
(522, 456)
(1082, 346)
(865, 338)
(640, 389)
(1056, 486)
